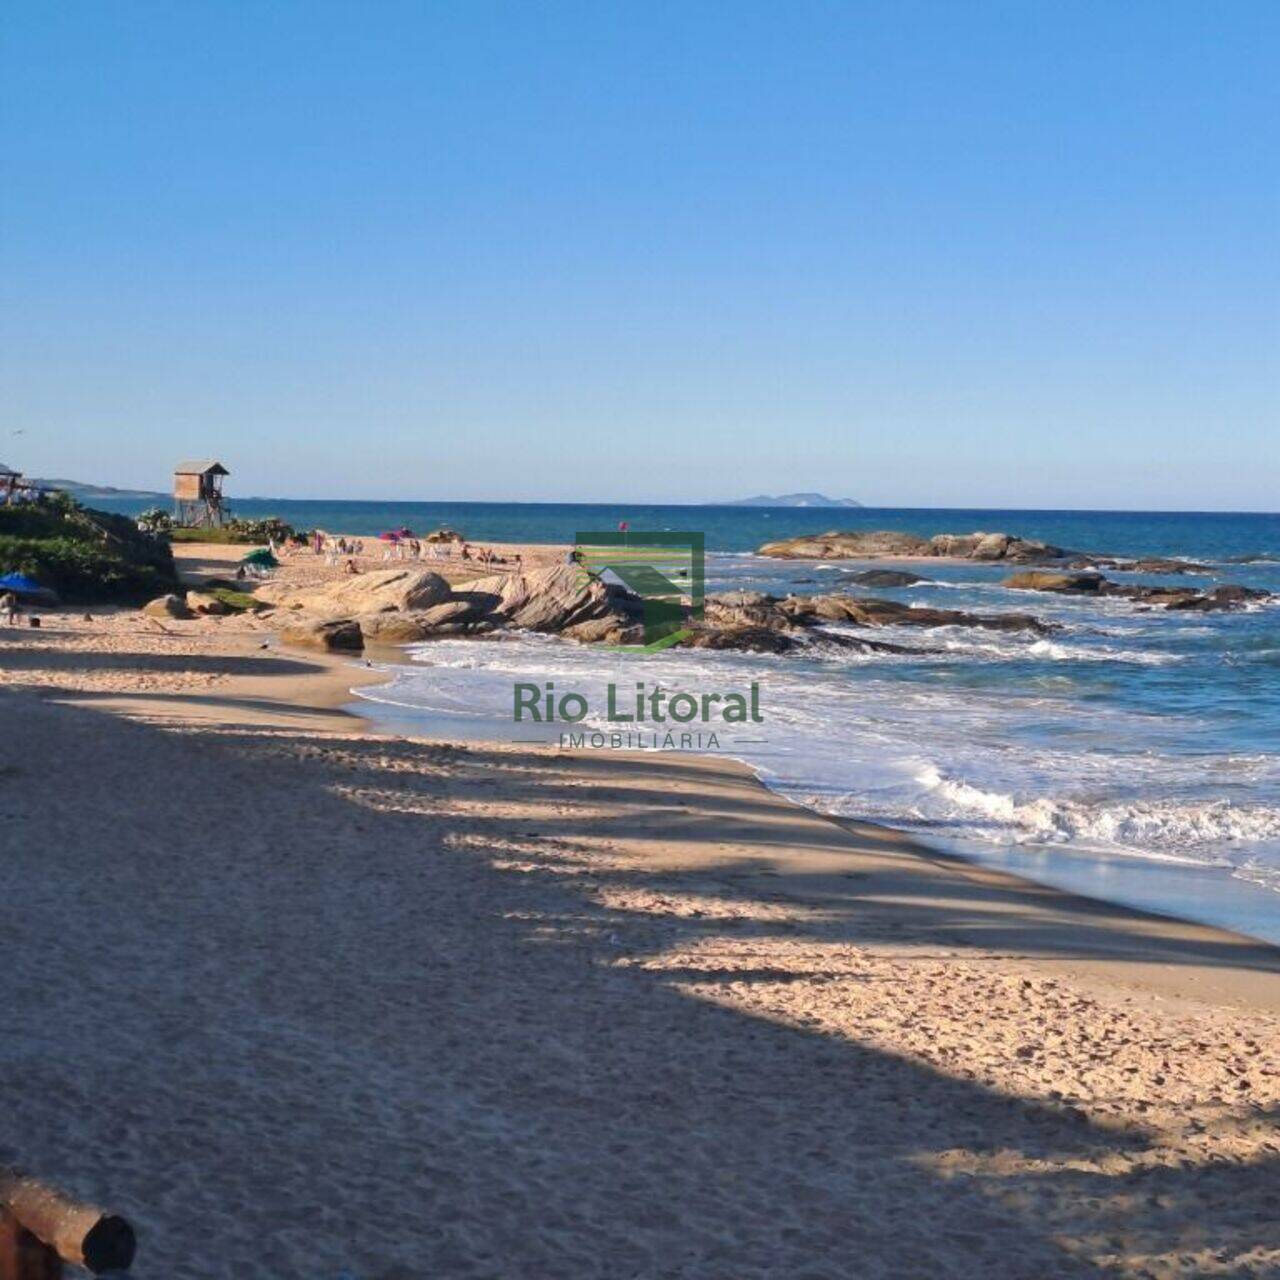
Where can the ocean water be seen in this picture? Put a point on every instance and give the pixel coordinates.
(1132, 754)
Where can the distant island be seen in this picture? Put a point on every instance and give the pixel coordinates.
(81, 489)
(794, 500)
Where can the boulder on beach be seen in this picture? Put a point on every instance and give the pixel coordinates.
(449, 617)
(554, 598)
(169, 606)
(341, 635)
(393, 628)
(362, 593)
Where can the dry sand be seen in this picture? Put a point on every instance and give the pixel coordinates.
(300, 999)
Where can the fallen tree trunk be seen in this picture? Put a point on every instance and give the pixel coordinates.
(67, 1230)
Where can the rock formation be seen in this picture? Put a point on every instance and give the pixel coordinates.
(400, 589)
(169, 606)
(1228, 596)
(342, 636)
(882, 544)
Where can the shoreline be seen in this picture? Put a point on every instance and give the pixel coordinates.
(1146, 885)
(439, 730)
(579, 1007)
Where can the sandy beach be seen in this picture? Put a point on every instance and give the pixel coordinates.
(303, 1000)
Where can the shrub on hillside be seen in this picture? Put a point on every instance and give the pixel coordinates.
(84, 555)
(155, 520)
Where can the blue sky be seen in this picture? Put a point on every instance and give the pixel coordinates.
(959, 253)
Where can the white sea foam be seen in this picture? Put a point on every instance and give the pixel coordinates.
(1153, 828)
(933, 743)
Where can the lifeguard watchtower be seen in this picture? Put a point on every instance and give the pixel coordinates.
(197, 493)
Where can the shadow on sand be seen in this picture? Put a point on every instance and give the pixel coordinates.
(339, 1030)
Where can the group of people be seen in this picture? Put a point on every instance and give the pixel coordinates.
(345, 551)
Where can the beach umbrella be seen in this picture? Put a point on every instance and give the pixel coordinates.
(404, 531)
(262, 558)
(21, 585)
(389, 536)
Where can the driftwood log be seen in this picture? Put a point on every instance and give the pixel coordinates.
(40, 1227)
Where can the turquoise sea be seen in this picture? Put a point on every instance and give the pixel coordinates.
(1132, 754)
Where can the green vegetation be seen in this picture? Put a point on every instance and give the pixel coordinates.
(155, 520)
(84, 555)
(237, 601)
(220, 534)
(236, 532)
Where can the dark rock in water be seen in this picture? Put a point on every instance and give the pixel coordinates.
(1047, 580)
(745, 639)
(1224, 597)
(883, 613)
(1229, 596)
(860, 644)
(1149, 564)
(1158, 565)
(882, 578)
(606, 630)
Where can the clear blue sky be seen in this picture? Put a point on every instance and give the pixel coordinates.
(954, 253)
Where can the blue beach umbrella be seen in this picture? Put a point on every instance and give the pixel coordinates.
(21, 585)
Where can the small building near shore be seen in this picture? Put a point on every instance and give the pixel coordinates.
(14, 487)
(197, 493)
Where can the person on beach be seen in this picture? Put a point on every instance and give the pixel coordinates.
(9, 608)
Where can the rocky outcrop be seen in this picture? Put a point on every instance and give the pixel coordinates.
(565, 601)
(1228, 596)
(561, 599)
(882, 544)
(888, 578)
(449, 618)
(1151, 564)
(847, 546)
(361, 593)
(343, 636)
(743, 639)
(808, 610)
(169, 606)
(551, 599)
(1047, 580)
